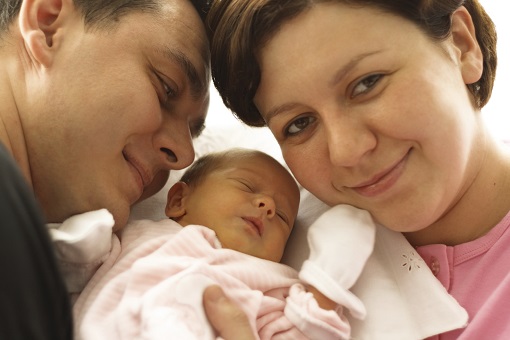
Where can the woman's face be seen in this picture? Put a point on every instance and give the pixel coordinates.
(370, 112)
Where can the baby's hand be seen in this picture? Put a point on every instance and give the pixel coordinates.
(323, 301)
(229, 321)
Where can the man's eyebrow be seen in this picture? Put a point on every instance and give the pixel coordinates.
(197, 83)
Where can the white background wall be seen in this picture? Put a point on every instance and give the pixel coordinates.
(496, 113)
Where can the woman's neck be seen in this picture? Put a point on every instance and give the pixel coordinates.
(482, 206)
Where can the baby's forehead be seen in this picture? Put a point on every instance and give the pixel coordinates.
(266, 172)
(256, 166)
(244, 170)
(253, 160)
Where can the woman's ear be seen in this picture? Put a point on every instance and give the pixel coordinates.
(39, 23)
(176, 200)
(469, 52)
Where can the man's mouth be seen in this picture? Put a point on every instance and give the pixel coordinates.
(141, 175)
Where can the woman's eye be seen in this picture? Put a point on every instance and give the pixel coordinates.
(299, 125)
(365, 85)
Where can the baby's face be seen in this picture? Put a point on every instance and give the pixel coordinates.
(251, 204)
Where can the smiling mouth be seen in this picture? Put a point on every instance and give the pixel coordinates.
(255, 224)
(141, 176)
(382, 181)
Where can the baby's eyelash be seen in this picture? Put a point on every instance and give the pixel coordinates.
(246, 185)
(282, 216)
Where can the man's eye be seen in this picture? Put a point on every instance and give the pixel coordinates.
(299, 125)
(366, 84)
(170, 92)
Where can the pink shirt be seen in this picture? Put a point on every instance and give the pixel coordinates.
(477, 274)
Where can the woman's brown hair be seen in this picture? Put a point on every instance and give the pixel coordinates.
(239, 28)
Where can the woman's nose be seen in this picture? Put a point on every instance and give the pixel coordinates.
(348, 140)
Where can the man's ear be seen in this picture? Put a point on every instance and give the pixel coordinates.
(39, 21)
(464, 39)
(176, 200)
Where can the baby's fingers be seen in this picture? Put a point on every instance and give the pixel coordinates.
(229, 321)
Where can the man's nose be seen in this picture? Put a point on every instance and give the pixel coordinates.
(174, 145)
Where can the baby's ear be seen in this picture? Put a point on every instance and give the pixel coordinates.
(176, 200)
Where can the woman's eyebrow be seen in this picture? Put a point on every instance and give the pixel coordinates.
(343, 71)
(279, 109)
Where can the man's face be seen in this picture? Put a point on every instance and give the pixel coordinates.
(116, 110)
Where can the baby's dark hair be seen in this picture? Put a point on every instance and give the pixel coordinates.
(208, 163)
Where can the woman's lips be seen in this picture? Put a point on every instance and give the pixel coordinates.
(383, 181)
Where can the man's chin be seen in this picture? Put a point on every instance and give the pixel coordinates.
(155, 186)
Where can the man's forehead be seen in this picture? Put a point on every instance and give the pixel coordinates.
(189, 48)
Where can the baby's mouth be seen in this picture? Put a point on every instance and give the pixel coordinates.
(256, 224)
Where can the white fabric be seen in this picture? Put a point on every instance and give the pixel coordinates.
(340, 241)
(402, 297)
(404, 300)
(82, 243)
